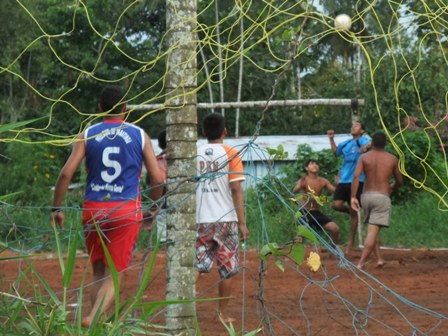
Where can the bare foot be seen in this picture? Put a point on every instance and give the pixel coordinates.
(348, 250)
(86, 323)
(380, 263)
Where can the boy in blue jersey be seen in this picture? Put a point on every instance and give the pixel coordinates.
(351, 151)
(114, 152)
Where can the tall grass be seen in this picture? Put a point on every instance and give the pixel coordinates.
(45, 312)
(417, 224)
(31, 306)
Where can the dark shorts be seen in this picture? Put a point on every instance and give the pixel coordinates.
(344, 190)
(317, 219)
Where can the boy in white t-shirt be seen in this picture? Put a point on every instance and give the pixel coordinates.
(219, 207)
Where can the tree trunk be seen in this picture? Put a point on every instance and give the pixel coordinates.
(181, 123)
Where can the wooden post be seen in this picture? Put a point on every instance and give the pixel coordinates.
(181, 130)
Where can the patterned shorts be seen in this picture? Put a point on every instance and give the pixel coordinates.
(220, 242)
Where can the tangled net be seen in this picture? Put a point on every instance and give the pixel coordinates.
(271, 39)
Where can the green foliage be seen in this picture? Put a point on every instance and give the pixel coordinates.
(271, 248)
(304, 232)
(277, 153)
(293, 249)
(232, 332)
(418, 223)
(423, 162)
(31, 170)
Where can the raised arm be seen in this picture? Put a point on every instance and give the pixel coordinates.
(333, 145)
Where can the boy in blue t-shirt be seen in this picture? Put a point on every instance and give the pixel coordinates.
(351, 151)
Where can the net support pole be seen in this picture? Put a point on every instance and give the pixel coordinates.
(181, 130)
(256, 104)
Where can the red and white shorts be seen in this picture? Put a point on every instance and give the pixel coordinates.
(218, 242)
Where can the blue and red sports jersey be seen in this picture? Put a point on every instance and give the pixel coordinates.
(114, 156)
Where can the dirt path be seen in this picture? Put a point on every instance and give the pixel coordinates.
(333, 301)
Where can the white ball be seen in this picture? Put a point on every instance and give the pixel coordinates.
(342, 22)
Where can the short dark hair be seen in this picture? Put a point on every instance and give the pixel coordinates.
(111, 99)
(379, 140)
(161, 138)
(213, 126)
(363, 127)
(309, 161)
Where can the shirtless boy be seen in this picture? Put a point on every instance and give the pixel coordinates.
(312, 182)
(378, 166)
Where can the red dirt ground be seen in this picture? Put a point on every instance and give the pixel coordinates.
(333, 301)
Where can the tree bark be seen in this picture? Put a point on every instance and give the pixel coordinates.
(181, 121)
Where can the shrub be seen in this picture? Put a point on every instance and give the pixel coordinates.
(423, 163)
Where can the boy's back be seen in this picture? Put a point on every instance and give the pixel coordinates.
(379, 168)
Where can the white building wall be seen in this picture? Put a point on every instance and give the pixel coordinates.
(255, 156)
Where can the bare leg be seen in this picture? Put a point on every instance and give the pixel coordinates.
(199, 275)
(353, 231)
(338, 205)
(103, 297)
(333, 230)
(380, 261)
(370, 243)
(99, 271)
(225, 290)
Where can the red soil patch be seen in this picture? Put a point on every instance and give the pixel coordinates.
(336, 300)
